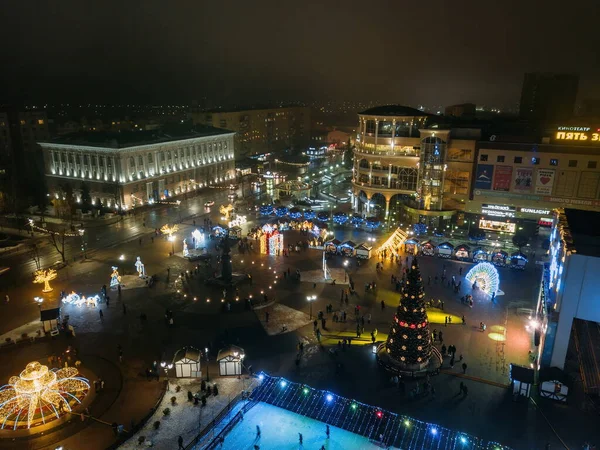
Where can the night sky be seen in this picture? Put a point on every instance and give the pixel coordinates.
(412, 52)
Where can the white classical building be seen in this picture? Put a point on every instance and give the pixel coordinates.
(130, 168)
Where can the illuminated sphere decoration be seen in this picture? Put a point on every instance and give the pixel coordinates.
(39, 395)
(486, 276)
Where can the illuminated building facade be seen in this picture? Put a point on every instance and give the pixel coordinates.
(261, 130)
(408, 168)
(569, 301)
(518, 185)
(131, 168)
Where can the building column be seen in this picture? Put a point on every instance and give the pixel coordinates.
(387, 207)
(369, 196)
(376, 133)
(393, 135)
(370, 172)
(390, 176)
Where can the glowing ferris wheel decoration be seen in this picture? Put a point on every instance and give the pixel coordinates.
(486, 276)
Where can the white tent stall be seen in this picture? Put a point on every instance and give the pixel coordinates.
(187, 363)
(230, 361)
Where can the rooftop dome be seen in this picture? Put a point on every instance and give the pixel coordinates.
(394, 110)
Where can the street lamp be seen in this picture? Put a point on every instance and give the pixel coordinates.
(345, 270)
(167, 367)
(82, 233)
(206, 354)
(310, 299)
(39, 301)
(171, 238)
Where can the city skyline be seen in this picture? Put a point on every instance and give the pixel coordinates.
(247, 53)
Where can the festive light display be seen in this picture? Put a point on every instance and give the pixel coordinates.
(39, 395)
(486, 276)
(271, 241)
(77, 300)
(309, 214)
(340, 218)
(198, 239)
(295, 213)
(226, 210)
(357, 220)
(186, 252)
(140, 267)
(385, 427)
(238, 221)
(419, 228)
(43, 230)
(409, 341)
(266, 210)
(373, 222)
(169, 230)
(281, 211)
(278, 161)
(45, 276)
(115, 278)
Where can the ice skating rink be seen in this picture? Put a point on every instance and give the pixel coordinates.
(280, 428)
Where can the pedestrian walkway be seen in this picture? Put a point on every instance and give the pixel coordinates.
(185, 419)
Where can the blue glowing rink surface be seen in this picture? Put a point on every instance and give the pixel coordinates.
(280, 428)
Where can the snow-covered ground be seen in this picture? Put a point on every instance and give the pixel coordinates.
(279, 430)
(30, 328)
(316, 276)
(185, 419)
(282, 319)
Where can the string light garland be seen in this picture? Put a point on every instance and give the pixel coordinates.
(278, 161)
(385, 427)
(43, 230)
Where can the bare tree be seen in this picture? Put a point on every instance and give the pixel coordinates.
(35, 256)
(58, 241)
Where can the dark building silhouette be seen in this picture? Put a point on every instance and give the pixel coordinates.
(548, 97)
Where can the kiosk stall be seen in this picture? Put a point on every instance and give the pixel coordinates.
(518, 261)
(347, 248)
(332, 247)
(428, 248)
(363, 251)
(499, 258)
(480, 255)
(411, 246)
(445, 250)
(461, 252)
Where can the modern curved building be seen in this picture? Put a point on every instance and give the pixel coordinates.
(409, 167)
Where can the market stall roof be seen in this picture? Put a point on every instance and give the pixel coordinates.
(230, 352)
(364, 246)
(500, 252)
(446, 245)
(518, 255)
(463, 247)
(348, 244)
(429, 243)
(333, 241)
(412, 241)
(49, 314)
(236, 228)
(521, 373)
(480, 250)
(187, 353)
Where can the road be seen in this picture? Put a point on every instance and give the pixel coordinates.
(131, 227)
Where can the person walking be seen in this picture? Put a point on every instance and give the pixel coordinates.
(382, 305)
(446, 321)
(101, 314)
(464, 322)
(257, 431)
(7, 298)
(124, 309)
(452, 362)
(327, 431)
(180, 443)
(462, 387)
(107, 301)
(300, 438)
(464, 367)
(267, 316)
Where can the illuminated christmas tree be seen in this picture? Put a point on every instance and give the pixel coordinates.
(409, 341)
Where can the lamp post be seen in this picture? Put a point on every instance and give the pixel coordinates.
(83, 246)
(171, 238)
(167, 367)
(345, 270)
(206, 354)
(310, 299)
(39, 301)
